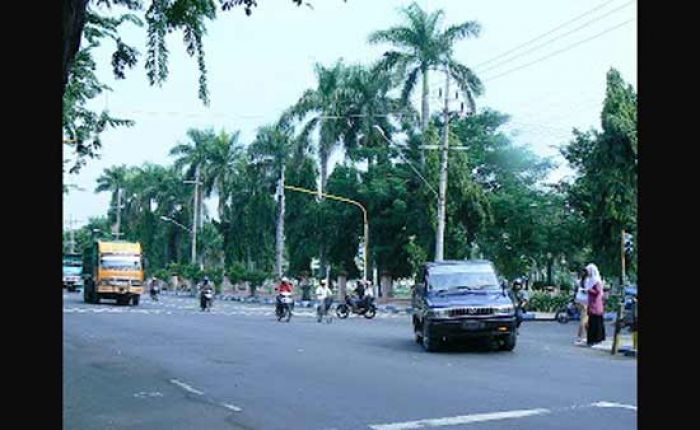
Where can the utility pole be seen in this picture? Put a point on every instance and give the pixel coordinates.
(195, 213)
(119, 213)
(71, 232)
(72, 235)
(442, 189)
(621, 307)
(280, 225)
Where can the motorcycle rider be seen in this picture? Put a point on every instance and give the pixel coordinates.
(520, 297)
(324, 295)
(359, 301)
(285, 286)
(205, 288)
(154, 288)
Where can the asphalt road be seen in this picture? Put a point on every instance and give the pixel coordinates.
(166, 365)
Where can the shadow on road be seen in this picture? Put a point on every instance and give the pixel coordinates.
(473, 346)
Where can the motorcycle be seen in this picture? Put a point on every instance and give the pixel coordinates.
(570, 312)
(206, 300)
(364, 307)
(284, 308)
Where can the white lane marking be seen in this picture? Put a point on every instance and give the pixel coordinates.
(473, 418)
(232, 407)
(144, 394)
(186, 387)
(613, 405)
(462, 419)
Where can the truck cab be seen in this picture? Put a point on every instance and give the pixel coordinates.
(462, 299)
(116, 272)
(72, 271)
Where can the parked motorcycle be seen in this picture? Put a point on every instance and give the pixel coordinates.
(284, 309)
(570, 312)
(364, 307)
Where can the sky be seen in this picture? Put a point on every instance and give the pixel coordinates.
(542, 61)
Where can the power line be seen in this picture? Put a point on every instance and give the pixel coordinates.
(547, 33)
(559, 51)
(506, 61)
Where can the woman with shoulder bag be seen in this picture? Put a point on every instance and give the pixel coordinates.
(596, 324)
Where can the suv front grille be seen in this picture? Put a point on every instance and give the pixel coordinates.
(469, 311)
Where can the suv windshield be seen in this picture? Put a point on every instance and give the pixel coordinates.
(462, 278)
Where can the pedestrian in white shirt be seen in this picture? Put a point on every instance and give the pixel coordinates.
(324, 295)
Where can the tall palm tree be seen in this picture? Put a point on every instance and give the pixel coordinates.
(114, 179)
(196, 156)
(224, 151)
(423, 47)
(274, 146)
(369, 105)
(325, 101)
(175, 202)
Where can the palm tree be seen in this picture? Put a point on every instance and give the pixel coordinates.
(424, 47)
(326, 100)
(194, 158)
(369, 106)
(175, 202)
(115, 180)
(224, 151)
(112, 179)
(274, 146)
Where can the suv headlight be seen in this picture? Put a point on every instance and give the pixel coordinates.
(504, 310)
(438, 313)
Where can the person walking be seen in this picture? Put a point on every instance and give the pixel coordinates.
(594, 287)
(581, 302)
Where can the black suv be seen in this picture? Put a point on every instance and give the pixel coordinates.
(462, 299)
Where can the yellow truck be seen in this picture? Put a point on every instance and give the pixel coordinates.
(116, 273)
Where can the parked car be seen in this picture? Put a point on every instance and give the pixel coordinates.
(461, 299)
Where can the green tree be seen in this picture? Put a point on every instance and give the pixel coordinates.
(605, 190)
(422, 47)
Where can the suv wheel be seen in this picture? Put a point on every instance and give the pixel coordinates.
(416, 333)
(430, 344)
(509, 342)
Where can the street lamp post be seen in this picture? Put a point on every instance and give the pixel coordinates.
(165, 218)
(345, 200)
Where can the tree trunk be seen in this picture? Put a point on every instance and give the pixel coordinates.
(323, 157)
(387, 285)
(424, 113)
(279, 236)
(322, 249)
(73, 21)
(342, 287)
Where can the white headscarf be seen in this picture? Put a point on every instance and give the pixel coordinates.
(593, 276)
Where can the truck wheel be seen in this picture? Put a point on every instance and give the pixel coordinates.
(135, 300)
